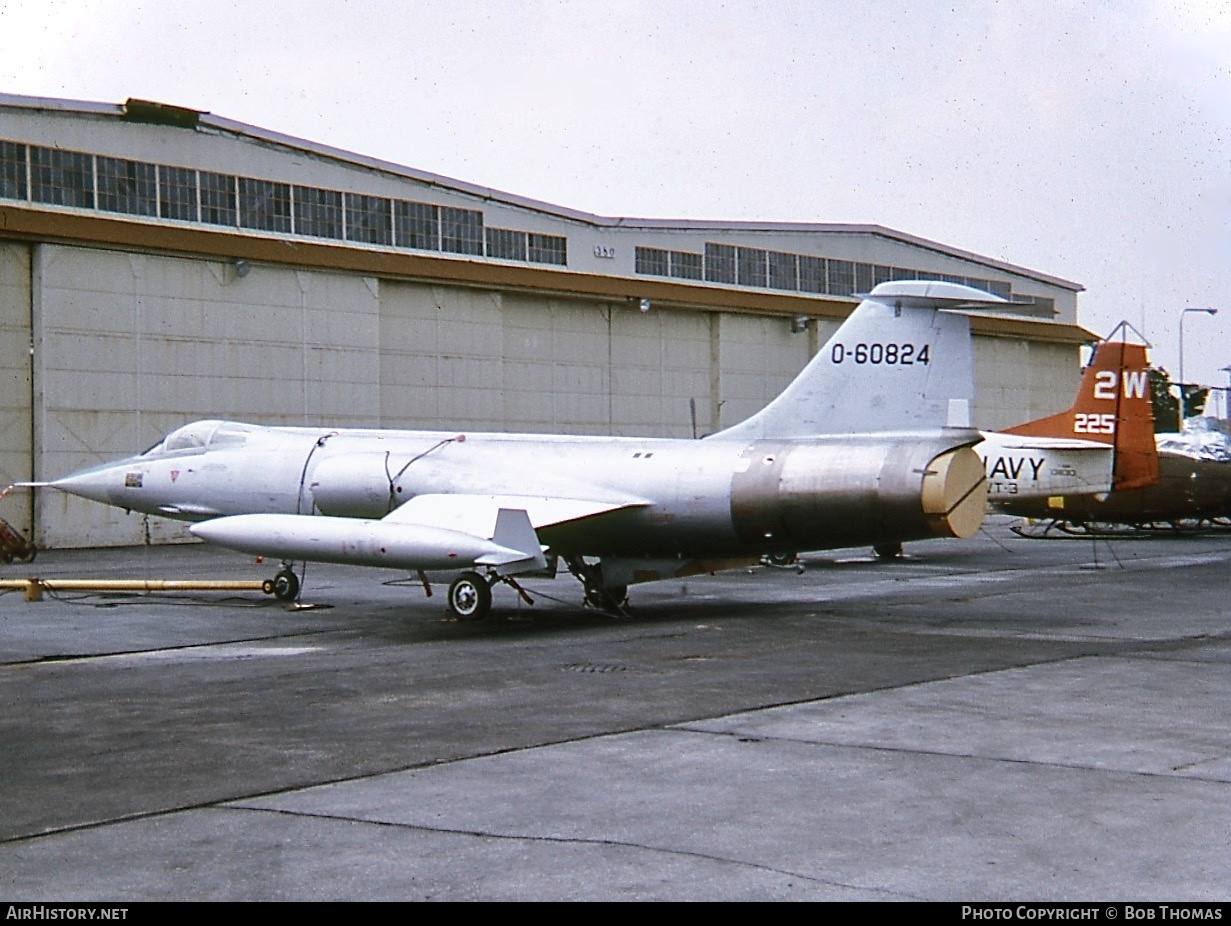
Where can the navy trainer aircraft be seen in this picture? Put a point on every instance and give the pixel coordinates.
(1103, 443)
(870, 444)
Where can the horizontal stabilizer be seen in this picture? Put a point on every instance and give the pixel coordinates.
(936, 294)
(1005, 441)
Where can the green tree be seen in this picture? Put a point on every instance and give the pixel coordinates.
(1166, 405)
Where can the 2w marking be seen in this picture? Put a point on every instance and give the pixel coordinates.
(1135, 384)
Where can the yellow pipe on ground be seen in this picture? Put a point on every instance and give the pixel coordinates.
(34, 587)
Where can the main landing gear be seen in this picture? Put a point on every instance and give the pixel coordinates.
(470, 597)
(598, 595)
(470, 594)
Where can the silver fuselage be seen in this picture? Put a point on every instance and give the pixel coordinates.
(710, 497)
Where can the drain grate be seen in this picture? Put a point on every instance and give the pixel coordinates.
(596, 668)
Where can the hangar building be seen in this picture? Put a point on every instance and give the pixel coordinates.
(159, 264)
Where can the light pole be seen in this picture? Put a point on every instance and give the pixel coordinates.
(1183, 395)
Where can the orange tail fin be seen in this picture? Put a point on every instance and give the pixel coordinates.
(1112, 407)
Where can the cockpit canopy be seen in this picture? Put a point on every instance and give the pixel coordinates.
(203, 435)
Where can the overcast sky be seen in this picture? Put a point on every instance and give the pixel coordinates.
(1090, 141)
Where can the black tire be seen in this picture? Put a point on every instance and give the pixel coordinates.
(286, 585)
(888, 550)
(470, 597)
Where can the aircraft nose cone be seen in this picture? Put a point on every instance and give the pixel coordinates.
(98, 484)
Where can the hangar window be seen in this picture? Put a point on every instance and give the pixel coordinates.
(881, 274)
(368, 219)
(900, 273)
(264, 205)
(416, 225)
(318, 212)
(719, 263)
(687, 265)
(863, 278)
(995, 287)
(841, 277)
(506, 244)
(782, 270)
(12, 170)
(547, 249)
(812, 274)
(217, 198)
(751, 267)
(62, 178)
(461, 230)
(127, 186)
(177, 193)
(652, 261)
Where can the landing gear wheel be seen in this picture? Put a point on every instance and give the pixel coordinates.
(470, 597)
(888, 550)
(286, 586)
(781, 560)
(610, 599)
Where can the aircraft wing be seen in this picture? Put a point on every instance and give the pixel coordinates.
(476, 514)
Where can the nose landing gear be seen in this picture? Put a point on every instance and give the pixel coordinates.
(284, 586)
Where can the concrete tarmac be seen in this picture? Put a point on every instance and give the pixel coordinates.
(985, 720)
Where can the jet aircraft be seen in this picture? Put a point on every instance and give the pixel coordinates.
(870, 444)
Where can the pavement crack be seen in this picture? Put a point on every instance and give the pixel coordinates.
(587, 841)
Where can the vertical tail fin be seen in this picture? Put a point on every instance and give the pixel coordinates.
(1112, 407)
(896, 364)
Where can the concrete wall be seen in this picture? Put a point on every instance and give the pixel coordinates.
(129, 346)
(16, 452)
(759, 357)
(1017, 381)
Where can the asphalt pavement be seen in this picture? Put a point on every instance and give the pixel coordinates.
(984, 720)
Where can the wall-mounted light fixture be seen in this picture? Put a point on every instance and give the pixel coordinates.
(643, 305)
(800, 324)
(241, 267)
